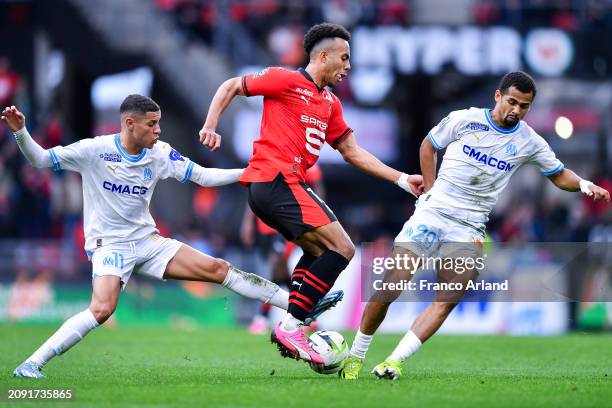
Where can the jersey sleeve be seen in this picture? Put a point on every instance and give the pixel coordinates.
(337, 129)
(267, 82)
(545, 159)
(75, 156)
(175, 165)
(445, 132)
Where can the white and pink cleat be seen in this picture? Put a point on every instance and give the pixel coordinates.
(294, 345)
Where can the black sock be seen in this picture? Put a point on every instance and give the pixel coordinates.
(298, 274)
(316, 282)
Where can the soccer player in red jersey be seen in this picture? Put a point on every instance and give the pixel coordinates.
(300, 115)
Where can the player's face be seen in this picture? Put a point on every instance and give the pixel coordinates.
(146, 129)
(338, 62)
(512, 106)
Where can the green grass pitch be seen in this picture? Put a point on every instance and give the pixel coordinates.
(147, 367)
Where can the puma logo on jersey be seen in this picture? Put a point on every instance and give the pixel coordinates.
(304, 98)
(112, 168)
(298, 284)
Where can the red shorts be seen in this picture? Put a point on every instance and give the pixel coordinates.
(292, 208)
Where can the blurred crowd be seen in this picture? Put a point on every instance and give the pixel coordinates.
(279, 25)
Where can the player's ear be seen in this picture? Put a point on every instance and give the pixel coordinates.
(323, 56)
(498, 95)
(129, 121)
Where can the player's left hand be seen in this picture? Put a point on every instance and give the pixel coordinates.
(210, 138)
(412, 183)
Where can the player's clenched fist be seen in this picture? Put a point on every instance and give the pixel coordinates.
(14, 119)
(600, 194)
(412, 183)
(593, 190)
(210, 138)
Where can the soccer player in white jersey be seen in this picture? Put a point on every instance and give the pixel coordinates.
(483, 149)
(119, 174)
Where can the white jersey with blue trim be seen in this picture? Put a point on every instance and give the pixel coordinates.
(117, 186)
(480, 158)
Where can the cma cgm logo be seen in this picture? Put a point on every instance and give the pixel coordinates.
(124, 189)
(488, 160)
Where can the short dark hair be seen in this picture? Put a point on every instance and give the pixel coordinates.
(518, 79)
(138, 104)
(322, 31)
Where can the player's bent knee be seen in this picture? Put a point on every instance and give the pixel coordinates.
(219, 269)
(102, 311)
(345, 248)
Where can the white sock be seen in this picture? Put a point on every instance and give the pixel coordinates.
(280, 299)
(361, 344)
(290, 323)
(409, 345)
(255, 287)
(71, 332)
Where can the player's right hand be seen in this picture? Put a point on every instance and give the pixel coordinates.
(14, 119)
(210, 138)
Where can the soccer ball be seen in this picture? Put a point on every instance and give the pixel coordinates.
(332, 347)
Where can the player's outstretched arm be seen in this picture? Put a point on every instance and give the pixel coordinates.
(367, 162)
(569, 181)
(223, 97)
(15, 121)
(211, 177)
(428, 156)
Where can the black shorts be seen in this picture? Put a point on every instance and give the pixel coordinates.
(291, 208)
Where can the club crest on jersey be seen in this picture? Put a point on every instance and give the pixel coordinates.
(511, 149)
(111, 157)
(148, 174)
(175, 156)
(477, 127)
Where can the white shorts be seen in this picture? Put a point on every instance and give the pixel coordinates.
(148, 256)
(427, 229)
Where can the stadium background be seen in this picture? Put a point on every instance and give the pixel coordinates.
(68, 64)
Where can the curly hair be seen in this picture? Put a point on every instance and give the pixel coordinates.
(322, 31)
(518, 79)
(138, 104)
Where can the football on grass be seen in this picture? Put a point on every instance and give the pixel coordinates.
(332, 347)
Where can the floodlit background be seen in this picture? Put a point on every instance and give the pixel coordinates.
(69, 63)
